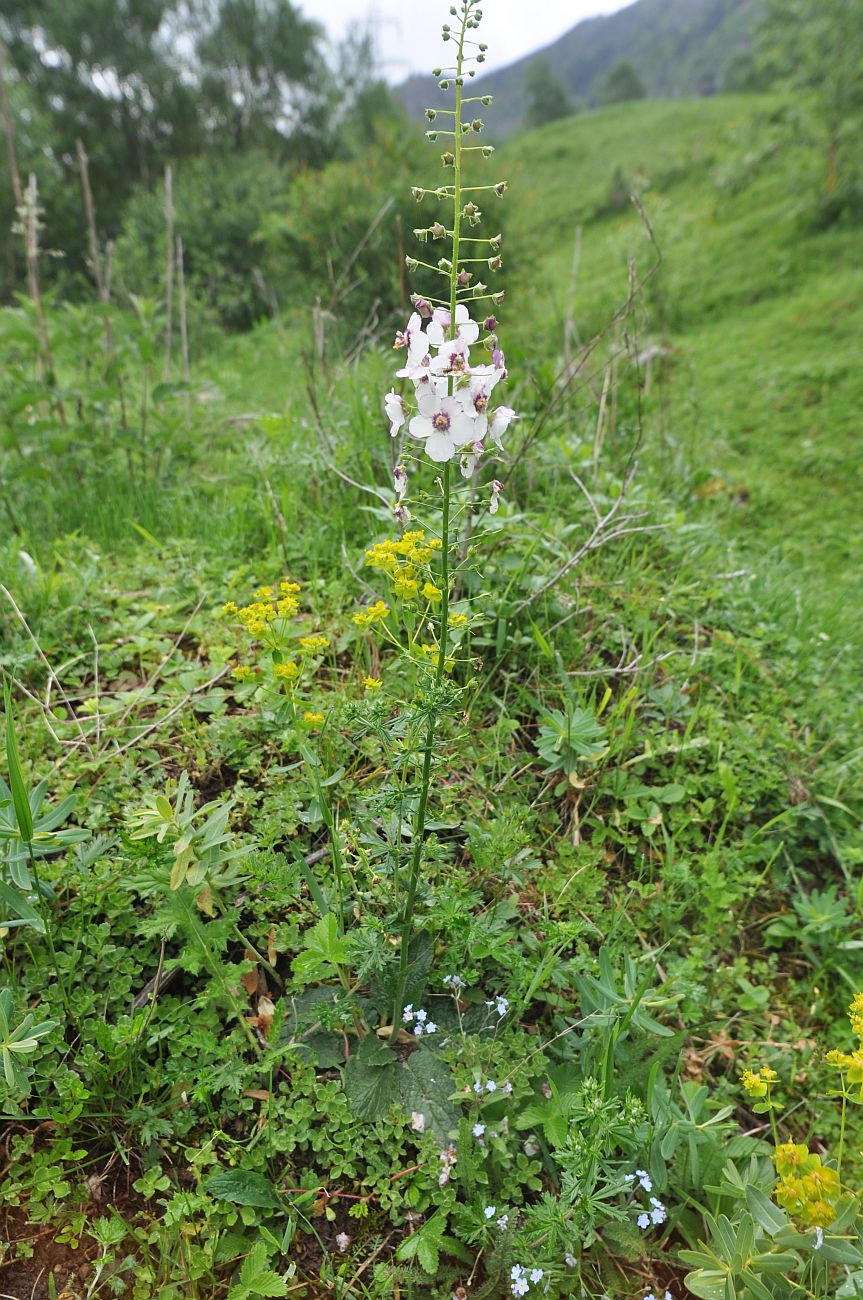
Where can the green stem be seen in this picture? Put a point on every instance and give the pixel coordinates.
(407, 916)
(49, 937)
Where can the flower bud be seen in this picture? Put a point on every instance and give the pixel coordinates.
(480, 58)
(482, 50)
(477, 124)
(487, 150)
(495, 263)
(486, 99)
(411, 263)
(421, 233)
(422, 305)
(444, 85)
(431, 135)
(417, 192)
(469, 209)
(464, 279)
(445, 34)
(436, 72)
(497, 298)
(496, 241)
(500, 189)
(431, 114)
(445, 265)
(448, 159)
(490, 324)
(438, 230)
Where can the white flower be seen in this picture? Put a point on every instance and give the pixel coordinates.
(520, 1287)
(470, 458)
(421, 1015)
(453, 981)
(507, 1087)
(494, 502)
(453, 358)
(478, 1130)
(657, 1214)
(477, 1087)
(441, 321)
(400, 482)
(490, 1211)
(500, 1003)
(536, 1275)
(342, 1242)
(643, 1221)
(418, 1121)
(503, 1222)
(395, 408)
(431, 1027)
(444, 431)
(408, 1013)
(517, 1271)
(644, 1179)
(414, 340)
(491, 1086)
(499, 423)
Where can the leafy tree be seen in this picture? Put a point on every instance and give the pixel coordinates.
(622, 84)
(817, 46)
(547, 96)
(263, 81)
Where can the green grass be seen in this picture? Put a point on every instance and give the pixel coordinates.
(711, 847)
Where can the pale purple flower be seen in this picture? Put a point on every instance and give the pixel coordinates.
(395, 408)
(494, 501)
(490, 1211)
(439, 326)
(400, 482)
(503, 1222)
(444, 431)
(478, 1130)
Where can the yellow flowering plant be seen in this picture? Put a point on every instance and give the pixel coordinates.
(284, 655)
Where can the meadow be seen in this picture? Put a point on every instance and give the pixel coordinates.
(621, 884)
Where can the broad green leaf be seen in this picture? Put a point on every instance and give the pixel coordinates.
(371, 1080)
(764, 1212)
(242, 1187)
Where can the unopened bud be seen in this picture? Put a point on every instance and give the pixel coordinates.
(422, 305)
(417, 192)
(487, 150)
(482, 48)
(501, 188)
(438, 230)
(411, 263)
(497, 298)
(436, 72)
(448, 159)
(490, 324)
(480, 58)
(477, 124)
(469, 209)
(464, 279)
(445, 264)
(495, 263)
(444, 85)
(496, 241)
(431, 114)
(431, 135)
(486, 99)
(421, 233)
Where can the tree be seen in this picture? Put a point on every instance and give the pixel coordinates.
(263, 81)
(816, 46)
(547, 96)
(622, 84)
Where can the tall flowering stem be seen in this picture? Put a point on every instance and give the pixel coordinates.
(451, 397)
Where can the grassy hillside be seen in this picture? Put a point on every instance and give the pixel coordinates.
(762, 314)
(678, 47)
(646, 841)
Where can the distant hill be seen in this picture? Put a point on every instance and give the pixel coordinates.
(678, 48)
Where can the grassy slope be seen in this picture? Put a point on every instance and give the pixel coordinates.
(764, 318)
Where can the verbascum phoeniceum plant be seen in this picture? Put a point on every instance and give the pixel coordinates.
(446, 416)
(449, 413)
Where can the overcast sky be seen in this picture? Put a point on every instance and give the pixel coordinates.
(408, 31)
